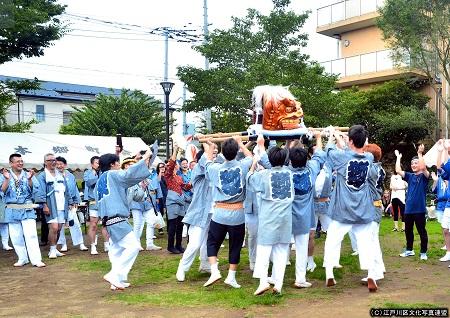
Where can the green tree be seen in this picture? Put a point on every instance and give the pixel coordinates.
(8, 91)
(418, 31)
(393, 113)
(26, 28)
(132, 114)
(257, 50)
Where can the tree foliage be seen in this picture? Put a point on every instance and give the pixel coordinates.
(27, 27)
(132, 114)
(393, 113)
(418, 31)
(8, 91)
(257, 50)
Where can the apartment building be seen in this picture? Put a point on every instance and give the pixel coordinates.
(364, 58)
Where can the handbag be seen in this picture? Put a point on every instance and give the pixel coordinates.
(156, 218)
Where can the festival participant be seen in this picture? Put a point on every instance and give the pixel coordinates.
(74, 223)
(160, 170)
(275, 188)
(445, 220)
(17, 193)
(398, 192)
(90, 178)
(351, 204)
(303, 218)
(322, 191)
(185, 174)
(198, 217)
(111, 197)
(415, 202)
(228, 181)
(377, 175)
(53, 193)
(175, 204)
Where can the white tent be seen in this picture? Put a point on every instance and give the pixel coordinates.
(77, 150)
(430, 157)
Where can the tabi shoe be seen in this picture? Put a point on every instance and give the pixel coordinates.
(232, 282)
(59, 254)
(310, 267)
(173, 250)
(126, 284)
(20, 263)
(52, 254)
(288, 263)
(64, 248)
(338, 266)
(446, 257)
(270, 281)
(407, 253)
(83, 247)
(180, 275)
(423, 256)
(117, 284)
(330, 282)
(141, 248)
(153, 248)
(154, 237)
(355, 253)
(372, 285)
(212, 279)
(444, 248)
(106, 247)
(261, 289)
(7, 248)
(39, 264)
(94, 250)
(302, 285)
(364, 280)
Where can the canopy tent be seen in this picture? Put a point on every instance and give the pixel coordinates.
(76, 149)
(431, 156)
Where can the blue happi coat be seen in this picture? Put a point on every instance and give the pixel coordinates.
(18, 192)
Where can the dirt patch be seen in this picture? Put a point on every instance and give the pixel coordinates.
(60, 291)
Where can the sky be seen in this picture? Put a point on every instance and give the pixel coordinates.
(98, 54)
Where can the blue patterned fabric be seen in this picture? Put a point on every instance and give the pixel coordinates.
(302, 182)
(281, 185)
(357, 171)
(102, 186)
(230, 181)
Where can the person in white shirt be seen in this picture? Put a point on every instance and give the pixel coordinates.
(398, 190)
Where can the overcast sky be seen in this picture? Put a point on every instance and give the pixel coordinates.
(136, 60)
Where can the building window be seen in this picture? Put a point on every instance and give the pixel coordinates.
(40, 113)
(66, 117)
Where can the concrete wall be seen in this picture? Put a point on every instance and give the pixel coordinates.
(362, 41)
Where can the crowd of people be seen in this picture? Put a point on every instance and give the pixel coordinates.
(277, 195)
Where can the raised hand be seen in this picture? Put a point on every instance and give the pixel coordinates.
(397, 153)
(6, 174)
(440, 145)
(434, 176)
(421, 149)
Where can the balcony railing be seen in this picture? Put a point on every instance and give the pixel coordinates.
(360, 64)
(346, 9)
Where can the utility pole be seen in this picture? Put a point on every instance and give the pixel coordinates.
(207, 112)
(166, 55)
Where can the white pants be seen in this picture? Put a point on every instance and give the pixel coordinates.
(25, 241)
(380, 269)
(122, 255)
(301, 257)
(197, 241)
(279, 254)
(139, 220)
(4, 233)
(353, 241)
(325, 221)
(364, 240)
(75, 230)
(251, 222)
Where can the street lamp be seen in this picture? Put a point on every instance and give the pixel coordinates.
(167, 87)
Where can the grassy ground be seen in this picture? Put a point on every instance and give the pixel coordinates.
(153, 276)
